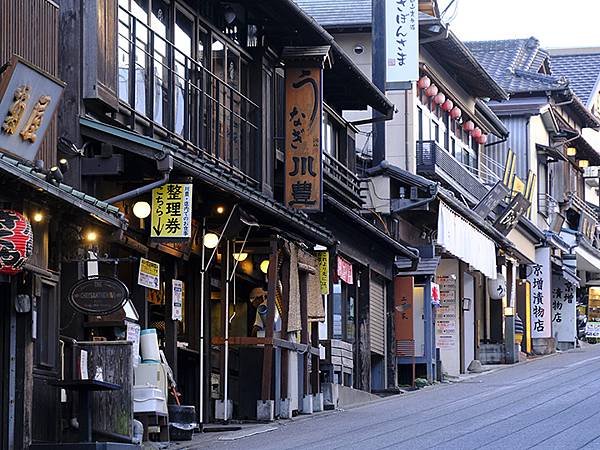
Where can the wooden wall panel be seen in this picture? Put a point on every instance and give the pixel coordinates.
(29, 28)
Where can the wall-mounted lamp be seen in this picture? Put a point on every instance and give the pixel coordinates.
(91, 236)
(264, 266)
(55, 175)
(38, 216)
(141, 210)
(466, 304)
(220, 209)
(571, 151)
(583, 163)
(63, 164)
(211, 240)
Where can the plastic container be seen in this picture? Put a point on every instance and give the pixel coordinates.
(148, 399)
(182, 422)
(149, 346)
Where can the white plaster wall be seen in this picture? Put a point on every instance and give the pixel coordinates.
(537, 135)
(363, 60)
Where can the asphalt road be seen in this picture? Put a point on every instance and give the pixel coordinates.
(550, 403)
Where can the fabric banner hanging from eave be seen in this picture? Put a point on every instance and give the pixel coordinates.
(461, 239)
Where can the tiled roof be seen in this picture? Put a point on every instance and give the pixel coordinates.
(64, 192)
(517, 64)
(338, 13)
(582, 70)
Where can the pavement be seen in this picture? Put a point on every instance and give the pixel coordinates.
(544, 403)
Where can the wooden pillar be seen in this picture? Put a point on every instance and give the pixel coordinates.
(304, 336)
(267, 373)
(314, 378)
(171, 327)
(285, 294)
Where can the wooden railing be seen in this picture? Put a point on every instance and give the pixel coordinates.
(342, 177)
(434, 162)
(181, 98)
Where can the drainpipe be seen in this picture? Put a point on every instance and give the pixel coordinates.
(165, 166)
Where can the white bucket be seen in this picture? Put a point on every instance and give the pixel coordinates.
(149, 346)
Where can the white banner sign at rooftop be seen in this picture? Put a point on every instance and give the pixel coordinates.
(402, 40)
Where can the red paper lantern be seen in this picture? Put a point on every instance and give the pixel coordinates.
(468, 125)
(482, 139)
(455, 113)
(476, 133)
(439, 99)
(424, 82)
(431, 91)
(447, 106)
(16, 241)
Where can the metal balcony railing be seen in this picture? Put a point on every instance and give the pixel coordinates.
(341, 178)
(436, 163)
(547, 205)
(181, 99)
(580, 204)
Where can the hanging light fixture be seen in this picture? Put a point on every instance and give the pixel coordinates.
(141, 210)
(455, 113)
(571, 151)
(476, 133)
(38, 216)
(468, 125)
(583, 163)
(431, 91)
(91, 236)
(439, 98)
(240, 256)
(424, 82)
(211, 240)
(447, 105)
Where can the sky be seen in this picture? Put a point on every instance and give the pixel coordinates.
(556, 23)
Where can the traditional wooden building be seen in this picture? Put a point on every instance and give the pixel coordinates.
(163, 94)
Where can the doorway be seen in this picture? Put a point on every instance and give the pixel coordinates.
(467, 304)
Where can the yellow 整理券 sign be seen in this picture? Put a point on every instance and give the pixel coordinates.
(172, 211)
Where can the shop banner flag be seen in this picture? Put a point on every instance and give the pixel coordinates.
(324, 271)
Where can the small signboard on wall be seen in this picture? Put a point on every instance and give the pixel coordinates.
(28, 100)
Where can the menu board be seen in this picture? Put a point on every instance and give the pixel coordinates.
(445, 317)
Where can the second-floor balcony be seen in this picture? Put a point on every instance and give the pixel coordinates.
(341, 179)
(176, 97)
(435, 163)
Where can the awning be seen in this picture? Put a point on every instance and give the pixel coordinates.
(425, 266)
(587, 259)
(523, 245)
(61, 192)
(461, 239)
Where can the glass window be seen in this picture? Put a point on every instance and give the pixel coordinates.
(184, 32)
(159, 21)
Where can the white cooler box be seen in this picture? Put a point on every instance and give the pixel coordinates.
(148, 399)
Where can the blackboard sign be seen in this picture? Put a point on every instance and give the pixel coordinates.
(98, 295)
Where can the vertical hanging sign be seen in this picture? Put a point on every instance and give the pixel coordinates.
(541, 302)
(303, 122)
(323, 258)
(172, 211)
(401, 40)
